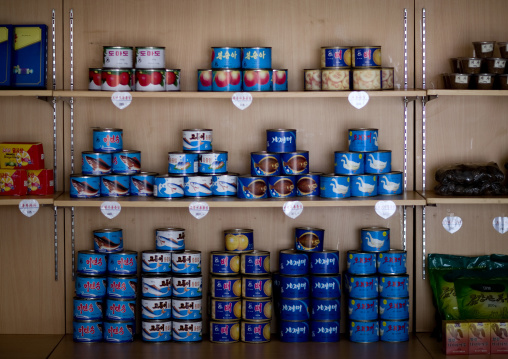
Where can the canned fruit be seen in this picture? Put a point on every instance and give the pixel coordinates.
(150, 80)
(257, 80)
(205, 78)
(94, 79)
(116, 79)
(335, 57)
(387, 78)
(226, 80)
(335, 79)
(239, 240)
(280, 77)
(312, 80)
(366, 56)
(173, 80)
(367, 79)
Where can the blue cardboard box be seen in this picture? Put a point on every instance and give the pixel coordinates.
(6, 37)
(30, 56)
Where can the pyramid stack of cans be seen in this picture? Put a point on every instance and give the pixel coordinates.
(106, 288)
(240, 306)
(377, 288)
(363, 171)
(171, 290)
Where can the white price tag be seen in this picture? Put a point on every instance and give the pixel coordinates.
(500, 224)
(242, 100)
(385, 209)
(121, 99)
(293, 209)
(452, 223)
(199, 209)
(29, 207)
(110, 209)
(358, 99)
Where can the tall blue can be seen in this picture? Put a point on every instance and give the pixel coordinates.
(280, 140)
(325, 262)
(361, 286)
(349, 163)
(294, 287)
(394, 286)
(88, 308)
(307, 185)
(107, 139)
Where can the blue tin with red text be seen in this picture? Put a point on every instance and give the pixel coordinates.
(108, 240)
(325, 308)
(255, 332)
(363, 308)
(122, 286)
(156, 308)
(361, 331)
(394, 308)
(255, 262)
(336, 56)
(91, 262)
(392, 262)
(107, 139)
(294, 331)
(364, 186)
(309, 239)
(325, 262)
(120, 308)
(256, 287)
(90, 286)
(251, 187)
(295, 163)
(335, 186)
(325, 331)
(225, 184)
(226, 58)
(366, 56)
(280, 140)
(213, 162)
(198, 186)
(156, 286)
(361, 286)
(294, 287)
(119, 331)
(307, 185)
(115, 185)
(96, 163)
(142, 184)
(363, 140)
(294, 309)
(88, 308)
(155, 262)
(349, 163)
(187, 286)
(87, 331)
(123, 263)
(264, 163)
(224, 332)
(187, 262)
(224, 263)
(188, 330)
(394, 286)
(390, 183)
(292, 262)
(126, 162)
(225, 309)
(186, 308)
(281, 186)
(255, 79)
(362, 263)
(325, 286)
(375, 239)
(256, 57)
(280, 79)
(394, 330)
(226, 287)
(256, 309)
(378, 162)
(156, 330)
(84, 186)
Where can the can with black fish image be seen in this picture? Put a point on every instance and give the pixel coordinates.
(142, 184)
(84, 186)
(96, 163)
(108, 240)
(115, 185)
(127, 162)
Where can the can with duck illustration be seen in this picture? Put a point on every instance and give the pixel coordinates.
(119, 331)
(123, 263)
(84, 186)
(325, 308)
(378, 162)
(225, 184)
(227, 80)
(280, 79)
(394, 330)
(170, 239)
(142, 184)
(155, 308)
(120, 309)
(186, 308)
(213, 162)
(334, 186)
(375, 239)
(150, 57)
(122, 286)
(294, 309)
(88, 286)
(325, 331)
(156, 286)
(390, 183)
(362, 263)
(293, 263)
(94, 79)
(155, 262)
(394, 286)
(295, 163)
(294, 331)
(239, 240)
(363, 140)
(126, 162)
(187, 330)
(255, 332)
(168, 186)
(187, 286)
(226, 287)
(151, 80)
(264, 163)
(256, 309)
(309, 239)
(364, 186)
(223, 263)
(225, 309)
(187, 262)
(393, 308)
(116, 79)
(366, 56)
(294, 286)
(256, 57)
(363, 308)
(257, 80)
(96, 163)
(173, 79)
(205, 80)
(108, 240)
(92, 263)
(197, 139)
(87, 330)
(118, 56)
(325, 286)
(336, 56)
(307, 185)
(283, 186)
(156, 330)
(252, 187)
(363, 331)
(280, 140)
(225, 331)
(115, 185)
(349, 163)
(198, 185)
(88, 308)
(255, 263)
(226, 58)
(325, 262)
(256, 287)
(361, 286)
(392, 262)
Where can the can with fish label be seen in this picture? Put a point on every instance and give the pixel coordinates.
(115, 185)
(96, 163)
(108, 240)
(361, 286)
(390, 183)
(226, 58)
(204, 81)
(120, 309)
(156, 330)
(294, 286)
(349, 163)
(294, 309)
(378, 162)
(260, 309)
(94, 79)
(325, 331)
(187, 330)
(213, 162)
(225, 184)
(88, 286)
(394, 330)
(107, 139)
(183, 162)
(88, 308)
(251, 187)
(366, 56)
(292, 262)
(255, 263)
(294, 331)
(325, 286)
(150, 57)
(123, 263)
(170, 239)
(362, 331)
(263, 163)
(223, 263)
(166, 186)
(363, 139)
(155, 262)
(225, 309)
(394, 308)
(225, 332)
(254, 80)
(197, 139)
(309, 239)
(187, 286)
(118, 80)
(363, 309)
(280, 140)
(307, 185)
(256, 57)
(362, 263)
(186, 308)
(156, 308)
(188, 262)
(122, 286)
(255, 332)
(375, 239)
(84, 186)
(325, 262)
(336, 56)
(364, 186)
(281, 186)
(87, 331)
(198, 186)
(256, 287)
(325, 308)
(392, 262)
(156, 286)
(119, 331)
(118, 56)
(127, 162)
(92, 263)
(226, 287)
(173, 79)
(142, 184)
(227, 80)
(280, 79)
(394, 286)
(335, 186)
(239, 240)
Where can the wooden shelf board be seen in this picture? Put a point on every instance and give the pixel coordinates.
(15, 200)
(433, 198)
(25, 93)
(442, 92)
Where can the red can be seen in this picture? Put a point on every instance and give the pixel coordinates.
(151, 80)
(40, 182)
(116, 79)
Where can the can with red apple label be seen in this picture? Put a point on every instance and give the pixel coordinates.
(117, 57)
(172, 79)
(150, 57)
(227, 80)
(116, 79)
(151, 80)
(94, 79)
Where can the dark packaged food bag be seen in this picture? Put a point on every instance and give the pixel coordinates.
(470, 173)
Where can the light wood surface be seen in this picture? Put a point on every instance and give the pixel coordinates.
(25, 93)
(476, 93)
(432, 198)
(15, 200)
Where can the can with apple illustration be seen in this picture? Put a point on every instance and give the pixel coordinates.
(227, 80)
(116, 79)
(94, 79)
(257, 80)
(150, 80)
(205, 80)
(119, 57)
(257, 57)
(226, 58)
(172, 79)
(280, 79)
(150, 57)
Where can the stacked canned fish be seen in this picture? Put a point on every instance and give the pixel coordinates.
(171, 289)
(248, 69)
(377, 287)
(336, 73)
(117, 72)
(106, 289)
(363, 171)
(240, 306)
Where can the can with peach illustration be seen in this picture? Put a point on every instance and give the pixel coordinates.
(227, 80)
(366, 56)
(336, 56)
(312, 80)
(205, 77)
(335, 79)
(367, 79)
(257, 80)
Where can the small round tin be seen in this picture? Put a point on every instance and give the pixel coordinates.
(167, 187)
(394, 330)
(361, 331)
(188, 330)
(366, 79)
(390, 183)
(281, 186)
(309, 239)
(187, 286)
(335, 79)
(83, 186)
(107, 140)
(213, 162)
(251, 187)
(364, 186)
(123, 263)
(325, 331)
(387, 78)
(239, 240)
(294, 331)
(115, 185)
(226, 58)
(325, 286)
(392, 262)
(375, 239)
(336, 56)
(155, 308)
(155, 262)
(118, 80)
(96, 163)
(294, 286)
(150, 57)
(280, 79)
(260, 309)
(256, 287)
(108, 240)
(197, 139)
(117, 56)
(393, 308)
(263, 163)
(334, 186)
(366, 56)
(378, 162)
(156, 286)
(87, 286)
(294, 309)
(186, 308)
(325, 262)
(256, 57)
(255, 263)
(295, 163)
(254, 80)
(227, 80)
(122, 286)
(394, 286)
(349, 163)
(94, 79)
(325, 308)
(156, 331)
(363, 140)
(173, 79)
(292, 262)
(361, 263)
(88, 308)
(120, 309)
(188, 262)
(151, 80)
(170, 239)
(119, 331)
(255, 332)
(87, 331)
(126, 162)
(225, 309)
(307, 185)
(363, 309)
(281, 140)
(224, 332)
(92, 263)
(226, 287)
(223, 263)
(312, 80)
(142, 184)
(198, 185)
(225, 184)
(205, 77)
(361, 286)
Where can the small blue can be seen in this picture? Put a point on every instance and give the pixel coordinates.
(90, 286)
(222, 263)
(205, 80)
(364, 186)
(225, 332)
(226, 287)
(363, 140)
(255, 332)
(188, 330)
(155, 262)
(394, 286)
(126, 162)
(263, 163)
(256, 57)
(170, 239)
(84, 186)
(96, 163)
(256, 287)
(375, 239)
(349, 163)
(307, 185)
(187, 286)
(186, 308)
(87, 331)
(361, 331)
(281, 186)
(334, 186)
(325, 331)
(142, 184)
(325, 286)
(294, 309)
(197, 139)
(198, 186)
(361, 263)
(325, 309)
(254, 80)
(363, 309)
(394, 308)
(188, 262)
(123, 263)
(361, 286)
(183, 163)
(280, 140)
(325, 262)
(390, 183)
(336, 56)
(156, 286)
(115, 185)
(294, 331)
(88, 308)
(225, 309)
(309, 239)
(295, 163)
(292, 262)
(294, 287)
(394, 330)
(250, 187)
(155, 308)
(255, 263)
(120, 308)
(107, 139)
(91, 262)
(225, 184)
(166, 186)
(119, 331)
(256, 309)
(280, 79)
(156, 330)
(122, 286)
(225, 80)
(392, 262)
(226, 58)
(366, 56)
(108, 240)
(378, 162)
(213, 162)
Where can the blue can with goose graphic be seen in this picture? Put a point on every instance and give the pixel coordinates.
(390, 183)
(349, 163)
(378, 162)
(335, 186)
(375, 239)
(363, 139)
(364, 186)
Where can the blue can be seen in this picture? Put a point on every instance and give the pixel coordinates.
(394, 330)
(155, 262)
(263, 163)
(394, 308)
(183, 162)
(280, 140)
(96, 163)
(226, 58)
(156, 308)
(294, 331)
(156, 330)
(213, 162)
(87, 331)
(361, 263)
(255, 263)
(325, 262)
(142, 184)
(188, 330)
(325, 309)
(88, 308)
(349, 163)
(123, 263)
(83, 186)
(205, 78)
(366, 56)
(122, 286)
(336, 56)
(281, 186)
(224, 263)
(292, 262)
(188, 262)
(295, 163)
(91, 262)
(260, 309)
(187, 286)
(325, 331)
(225, 332)
(90, 286)
(225, 184)
(225, 80)
(390, 183)
(334, 186)
(226, 287)
(307, 185)
(115, 185)
(197, 139)
(325, 286)
(392, 262)
(198, 186)
(394, 286)
(126, 162)
(256, 287)
(361, 331)
(309, 239)
(256, 57)
(363, 140)
(170, 239)
(363, 309)
(186, 308)
(294, 287)
(225, 309)
(361, 286)
(254, 80)
(280, 79)
(250, 187)
(108, 240)
(156, 286)
(375, 239)
(294, 309)
(255, 332)
(168, 187)
(119, 331)
(107, 139)
(378, 162)
(120, 308)
(364, 186)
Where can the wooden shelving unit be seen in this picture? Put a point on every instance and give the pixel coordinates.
(15, 200)
(432, 198)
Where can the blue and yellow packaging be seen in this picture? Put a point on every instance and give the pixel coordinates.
(29, 60)
(6, 37)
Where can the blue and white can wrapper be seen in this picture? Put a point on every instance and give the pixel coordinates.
(187, 330)
(187, 308)
(92, 263)
(96, 163)
(294, 309)
(335, 186)
(122, 286)
(281, 186)
(183, 163)
(361, 331)
(166, 186)
(142, 184)
(255, 332)
(392, 262)
(226, 58)
(361, 286)
(120, 309)
(90, 286)
(198, 186)
(119, 331)
(156, 286)
(251, 187)
(226, 287)
(115, 185)
(325, 262)
(239, 240)
(349, 163)
(264, 163)
(336, 56)
(294, 287)
(84, 186)
(256, 287)
(394, 286)
(394, 330)
(123, 263)
(204, 81)
(309, 239)
(375, 239)
(170, 239)
(256, 309)
(280, 79)
(198, 139)
(256, 57)
(126, 162)
(294, 331)
(364, 186)
(156, 308)
(87, 331)
(188, 262)
(325, 286)
(378, 162)
(295, 162)
(155, 262)
(325, 308)
(225, 184)
(362, 263)
(223, 263)
(107, 139)
(363, 308)
(280, 140)
(325, 331)
(394, 308)
(390, 183)
(108, 240)
(255, 263)
(292, 262)
(187, 286)
(366, 56)
(363, 140)
(224, 331)
(308, 184)
(227, 80)
(156, 330)
(225, 309)
(213, 162)
(88, 308)
(254, 80)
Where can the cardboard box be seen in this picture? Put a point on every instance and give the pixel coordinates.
(6, 38)
(27, 156)
(498, 337)
(13, 182)
(40, 182)
(30, 56)
(479, 337)
(455, 337)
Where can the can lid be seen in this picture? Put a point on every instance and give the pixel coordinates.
(126, 151)
(145, 174)
(150, 47)
(375, 229)
(97, 153)
(91, 251)
(184, 299)
(152, 251)
(256, 252)
(107, 230)
(106, 129)
(238, 230)
(189, 251)
(80, 175)
(124, 252)
(170, 229)
(281, 130)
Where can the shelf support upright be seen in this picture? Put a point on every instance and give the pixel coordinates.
(424, 85)
(54, 142)
(405, 131)
(71, 103)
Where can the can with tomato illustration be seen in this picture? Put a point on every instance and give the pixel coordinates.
(336, 56)
(257, 80)
(226, 58)
(205, 77)
(151, 80)
(227, 80)
(256, 57)
(94, 79)
(150, 57)
(280, 79)
(117, 57)
(173, 79)
(116, 79)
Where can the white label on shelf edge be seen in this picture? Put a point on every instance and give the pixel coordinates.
(110, 209)
(452, 223)
(242, 100)
(358, 99)
(199, 209)
(121, 99)
(500, 224)
(385, 209)
(293, 209)
(29, 207)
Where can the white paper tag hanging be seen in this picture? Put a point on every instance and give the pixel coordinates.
(199, 209)
(121, 99)
(500, 224)
(358, 99)
(242, 100)
(110, 209)
(293, 209)
(452, 223)
(29, 207)
(385, 209)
